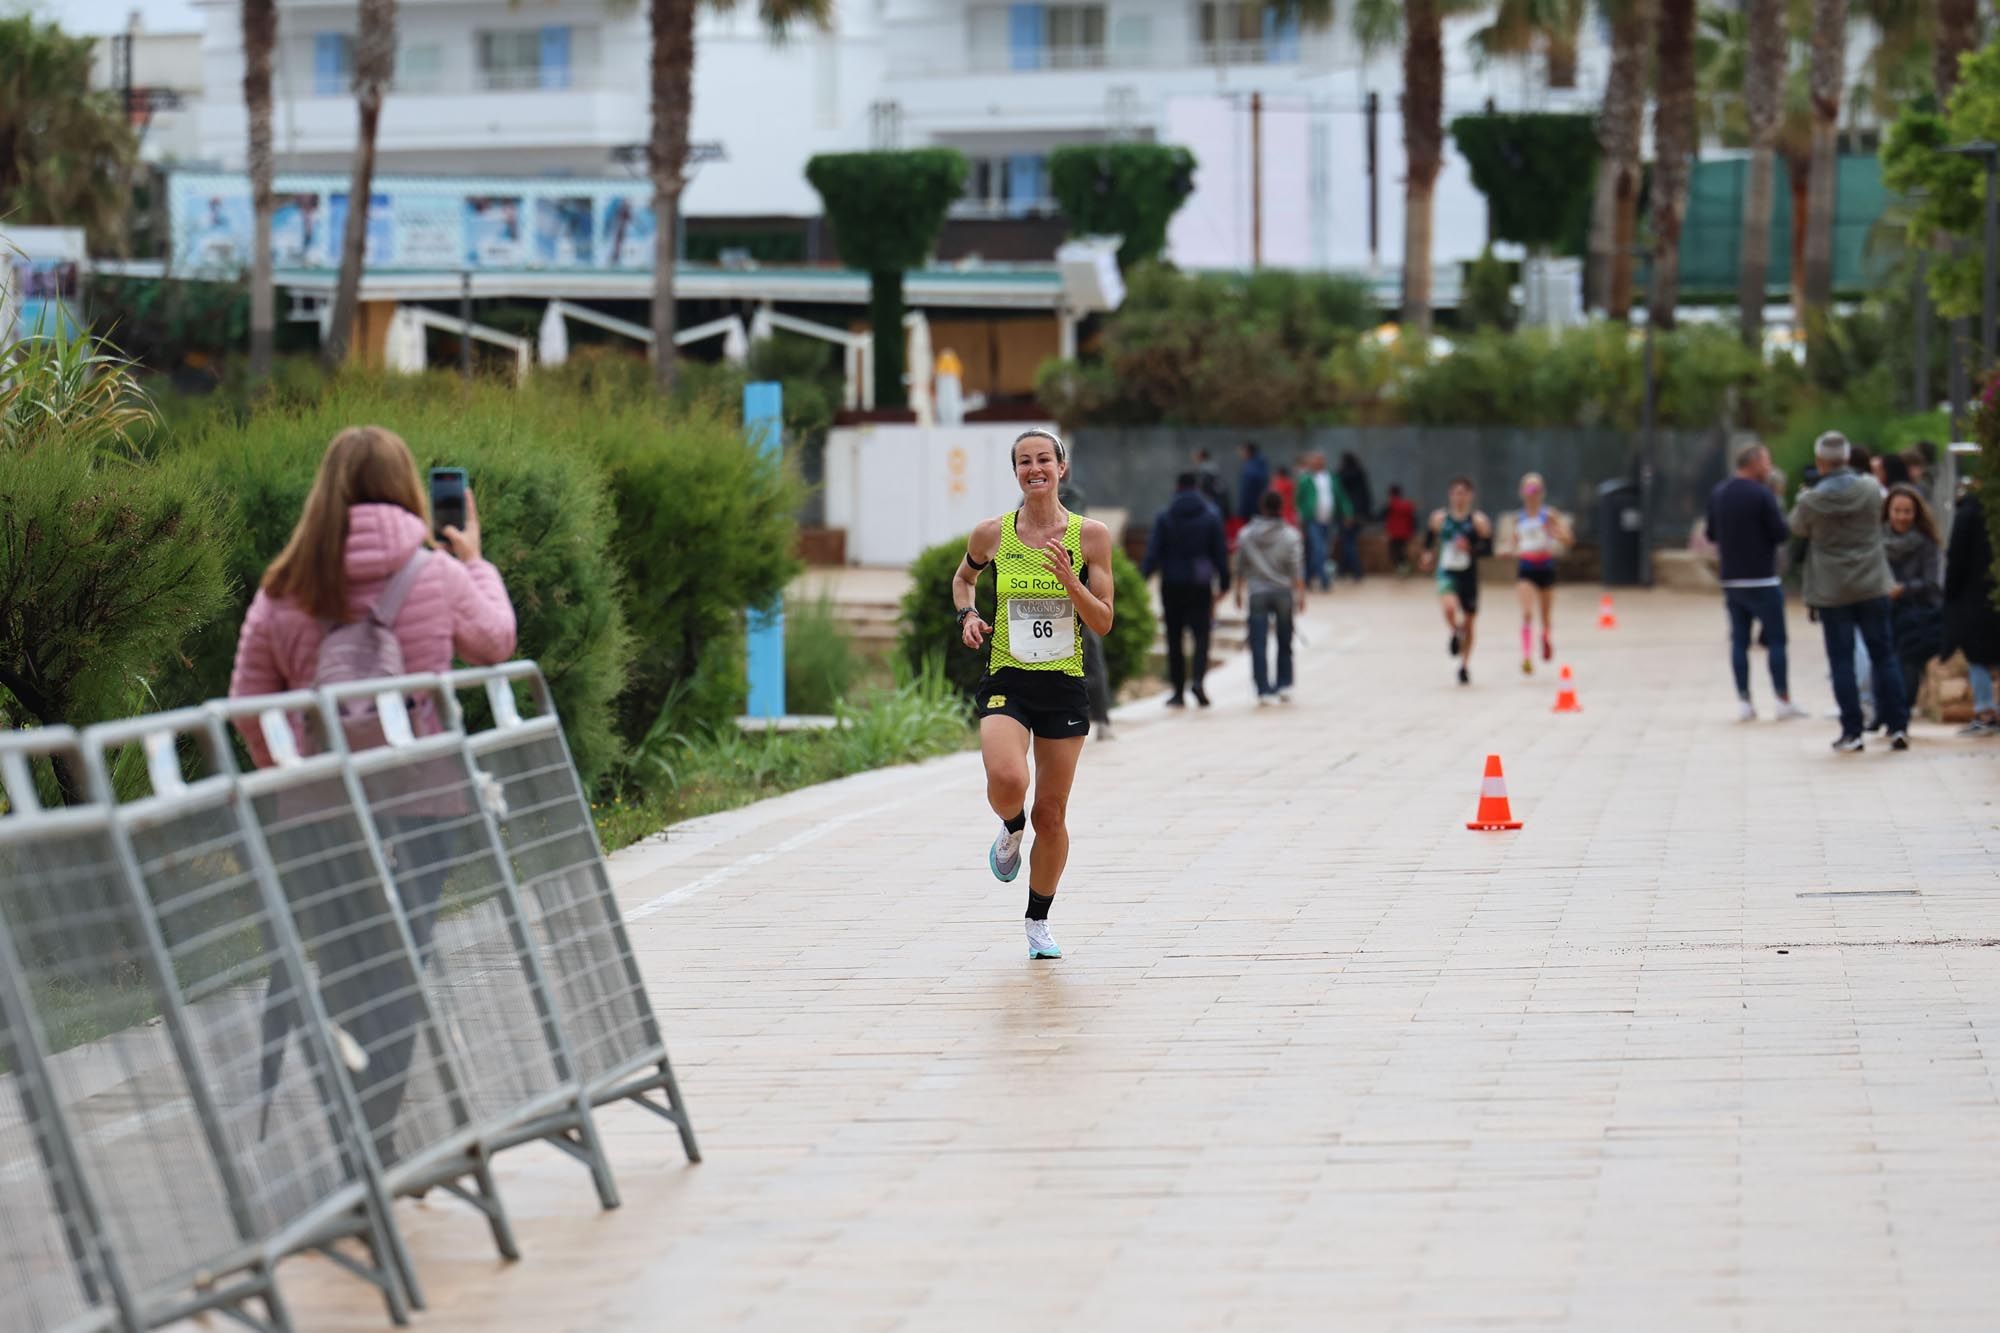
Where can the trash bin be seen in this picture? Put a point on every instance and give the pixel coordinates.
(1621, 527)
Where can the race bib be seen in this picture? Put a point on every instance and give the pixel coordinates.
(1457, 556)
(1533, 539)
(1041, 629)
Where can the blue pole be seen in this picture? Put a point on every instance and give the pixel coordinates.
(763, 417)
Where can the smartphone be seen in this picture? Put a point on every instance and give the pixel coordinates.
(447, 499)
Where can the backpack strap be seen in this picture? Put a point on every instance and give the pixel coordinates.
(390, 604)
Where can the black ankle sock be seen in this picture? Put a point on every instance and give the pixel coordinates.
(1039, 905)
(1017, 823)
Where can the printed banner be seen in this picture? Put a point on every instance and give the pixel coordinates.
(418, 224)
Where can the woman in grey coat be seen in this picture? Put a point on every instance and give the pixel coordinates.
(1916, 562)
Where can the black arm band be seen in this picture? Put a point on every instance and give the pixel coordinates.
(975, 565)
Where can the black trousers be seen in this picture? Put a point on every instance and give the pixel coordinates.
(1190, 609)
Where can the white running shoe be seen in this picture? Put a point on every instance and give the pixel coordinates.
(1041, 944)
(1284, 696)
(1266, 700)
(1787, 711)
(1004, 857)
(1746, 711)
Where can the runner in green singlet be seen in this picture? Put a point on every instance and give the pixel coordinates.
(1452, 544)
(1052, 569)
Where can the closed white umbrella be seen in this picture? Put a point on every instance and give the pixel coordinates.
(403, 350)
(552, 342)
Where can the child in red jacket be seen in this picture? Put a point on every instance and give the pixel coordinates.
(1399, 523)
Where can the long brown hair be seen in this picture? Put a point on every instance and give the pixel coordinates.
(363, 465)
(1926, 522)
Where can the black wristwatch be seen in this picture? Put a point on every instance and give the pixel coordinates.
(963, 612)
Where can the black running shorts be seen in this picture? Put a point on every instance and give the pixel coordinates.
(1466, 586)
(1052, 704)
(1542, 576)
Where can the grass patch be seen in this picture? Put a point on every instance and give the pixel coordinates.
(689, 775)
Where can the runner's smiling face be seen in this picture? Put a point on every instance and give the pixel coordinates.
(1037, 467)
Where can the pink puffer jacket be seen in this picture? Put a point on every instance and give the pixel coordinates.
(454, 609)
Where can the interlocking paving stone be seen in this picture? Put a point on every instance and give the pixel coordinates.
(1318, 1057)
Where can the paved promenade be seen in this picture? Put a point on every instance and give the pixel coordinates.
(1712, 1043)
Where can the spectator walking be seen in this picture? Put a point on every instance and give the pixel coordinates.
(1270, 563)
(1748, 530)
(1187, 550)
(1360, 507)
(1252, 480)
(1916, 562)
(1399, 525)
(1288, 495)
(1211, 487)
(1847, 580)
(1971, 622)
(1318, 508)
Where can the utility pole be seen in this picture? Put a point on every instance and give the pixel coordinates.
(1256, 180)
(1370, 110)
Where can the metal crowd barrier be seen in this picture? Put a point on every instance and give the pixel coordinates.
(545, 822)
(241, 1013)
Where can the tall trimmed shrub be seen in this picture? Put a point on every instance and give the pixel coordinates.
(1129, 190)
(1538, 171)
(887, 210)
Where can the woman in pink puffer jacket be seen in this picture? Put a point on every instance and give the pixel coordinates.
(366, 516)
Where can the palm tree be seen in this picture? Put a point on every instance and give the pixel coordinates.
(1957, 33)
(667, 152)
(1763, 108)
(66, 152)
(1520, 28)
(374, 65)
(260, 37)
(1423, 152)
(1615, 220)
(1673, 155)
(1829, 70)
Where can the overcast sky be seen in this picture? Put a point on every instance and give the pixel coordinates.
(98, 17)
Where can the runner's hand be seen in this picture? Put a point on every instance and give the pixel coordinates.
(1055, 559)
(975, 631)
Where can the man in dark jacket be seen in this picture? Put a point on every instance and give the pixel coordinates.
(1848, 581)
(1971, 622)
(1188, 552)
(1748, 528)
(1251, 483)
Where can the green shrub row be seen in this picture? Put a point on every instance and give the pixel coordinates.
(631, 535)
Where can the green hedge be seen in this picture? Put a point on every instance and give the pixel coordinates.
(544, 506)
(929, 625)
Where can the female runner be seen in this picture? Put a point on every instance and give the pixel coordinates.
(1539, 532)
(1051, 569)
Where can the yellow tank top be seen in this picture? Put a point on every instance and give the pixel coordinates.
(1035, 623)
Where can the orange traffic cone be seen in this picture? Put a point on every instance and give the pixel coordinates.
(1494, 812)
(1606, 617)
(1566, 696)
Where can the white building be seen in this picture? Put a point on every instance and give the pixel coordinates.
(558, 88)
(154, 48)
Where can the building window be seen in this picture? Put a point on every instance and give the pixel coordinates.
(1036, 36)
(420, 68)
(524, 58)
(333, 64)
(1237, 33)
(1011, 186)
